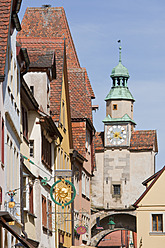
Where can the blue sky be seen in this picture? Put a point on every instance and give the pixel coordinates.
(96, 25)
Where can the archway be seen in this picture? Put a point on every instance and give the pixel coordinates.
(123, 221)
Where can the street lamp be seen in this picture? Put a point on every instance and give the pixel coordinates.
(111, 224)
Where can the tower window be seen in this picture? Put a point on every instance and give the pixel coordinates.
(114, 106)
(116, 190)
(132, 108)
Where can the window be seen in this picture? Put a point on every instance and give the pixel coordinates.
(31, 146)
(0, 195)
(114, 106)
(2, 143)
(31, 199)
(32, 89)
(107, 205)
(63, 110)
(89, 143)
(157, 222)
(46, 151)
(44, 210)
(87, 187)
(83, 183)
(131, 107)
(24, 123)
(50, 215)
(116, 189)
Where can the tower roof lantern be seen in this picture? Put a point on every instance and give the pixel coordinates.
(120, 70)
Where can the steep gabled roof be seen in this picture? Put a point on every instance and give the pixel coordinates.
(80, 98)
(88, 85)
(158, 174)
(52, 23)
(143, 140)
(5, 12)
(49, 22)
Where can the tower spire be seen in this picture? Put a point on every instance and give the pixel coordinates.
(119, 41)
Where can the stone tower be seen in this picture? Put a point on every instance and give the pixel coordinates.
(124, 157)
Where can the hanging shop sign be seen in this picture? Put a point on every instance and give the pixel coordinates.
(81, 230)
(61, 192)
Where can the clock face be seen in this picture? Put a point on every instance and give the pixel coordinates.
(116, 135)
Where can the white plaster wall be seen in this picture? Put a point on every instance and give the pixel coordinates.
(120, 166)
(97, 195)
(40, 82)
(142, 167)
(12, 107)
(2, 170)
(40, 170)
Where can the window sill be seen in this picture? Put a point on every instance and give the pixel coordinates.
(29, 213)
(85, 197)
(47, 230)
(116, 196)
(157, 233)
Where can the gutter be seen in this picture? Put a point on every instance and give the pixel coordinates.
(16, 21)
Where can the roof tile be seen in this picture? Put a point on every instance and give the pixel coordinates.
(143, 140)
(5, 10)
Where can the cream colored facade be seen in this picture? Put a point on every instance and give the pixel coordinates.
(150, 231)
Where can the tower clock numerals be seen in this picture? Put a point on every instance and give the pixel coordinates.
(116, 135)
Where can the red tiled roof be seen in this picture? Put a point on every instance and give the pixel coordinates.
(143, 140)
(5, 10)
(49, 22)
(52, 22)
(80, 98)
(99, 141)
(79, 136)
(40, 59)
(88, 85)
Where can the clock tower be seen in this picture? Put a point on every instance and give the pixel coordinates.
(119, 122)
(124, 157)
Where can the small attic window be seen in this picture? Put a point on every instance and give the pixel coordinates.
(114, 106)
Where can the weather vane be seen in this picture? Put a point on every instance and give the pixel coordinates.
(119, 41)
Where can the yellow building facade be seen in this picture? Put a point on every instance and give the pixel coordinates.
(150, 213)
(63, 167)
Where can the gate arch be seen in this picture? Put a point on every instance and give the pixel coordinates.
(123, 220)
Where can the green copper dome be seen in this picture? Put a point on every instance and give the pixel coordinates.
(119, 89)
(120, 71)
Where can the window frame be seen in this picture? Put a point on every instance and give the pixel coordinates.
(44, 211)
(157, 222)
(114, 192)
(115, 106)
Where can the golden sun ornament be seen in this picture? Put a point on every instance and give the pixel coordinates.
(61, 192)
